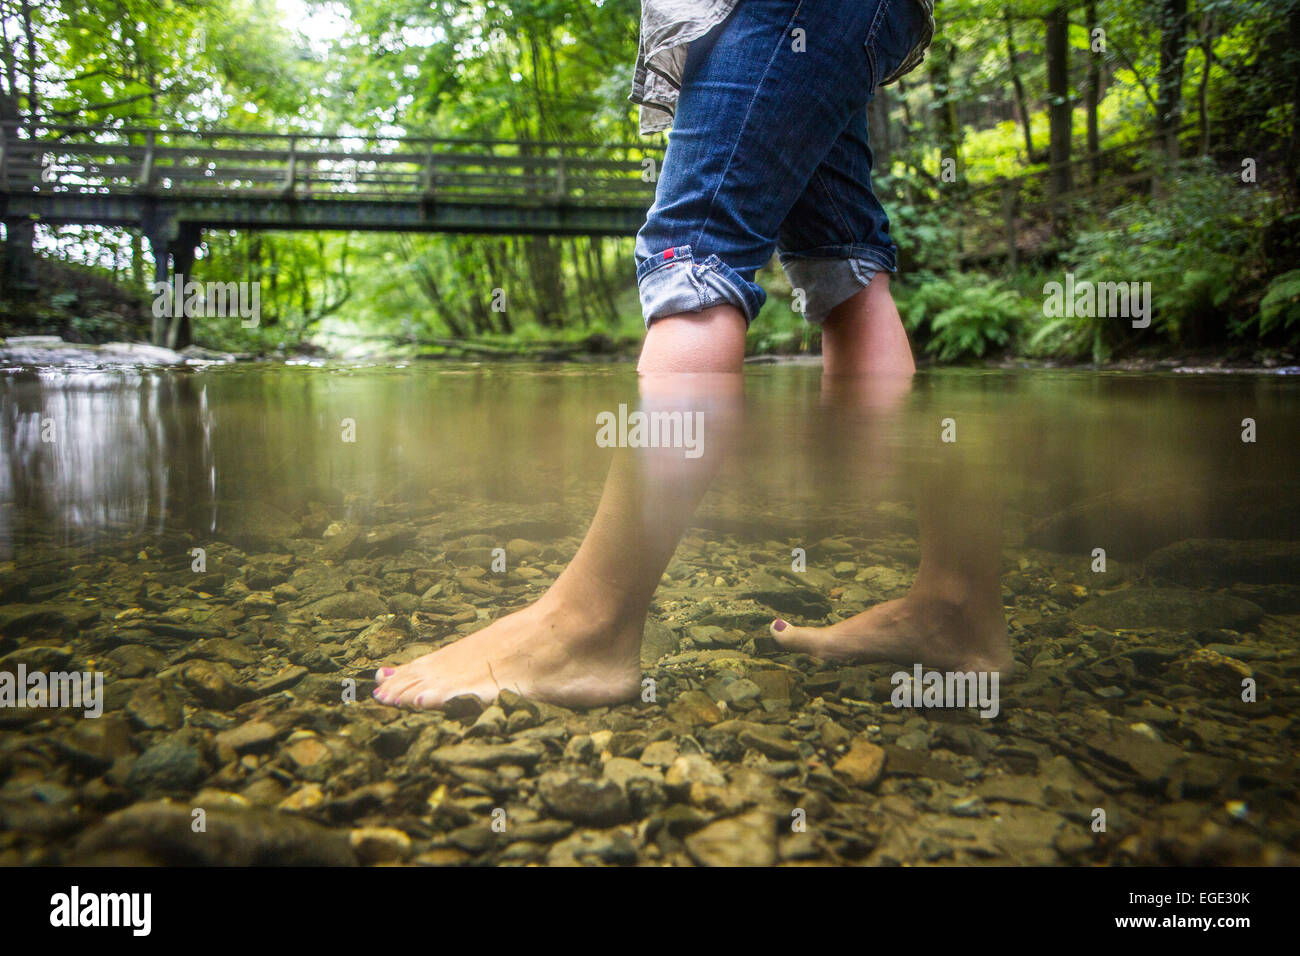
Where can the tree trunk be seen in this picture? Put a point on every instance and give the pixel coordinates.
(1059, 106)
(1022, 105)
(1293, 144)
(1203, 95)
(948, 128)
(1173, 53)
(1092, 99)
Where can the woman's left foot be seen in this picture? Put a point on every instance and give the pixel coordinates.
(940, 634)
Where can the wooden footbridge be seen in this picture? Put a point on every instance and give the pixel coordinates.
(174, 184)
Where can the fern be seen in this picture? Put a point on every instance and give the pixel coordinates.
(1280, 306)
(963, 316)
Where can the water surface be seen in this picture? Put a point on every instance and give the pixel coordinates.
(230, 546)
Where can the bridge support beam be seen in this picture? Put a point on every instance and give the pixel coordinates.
(173, 245)
(19, 274)
(189, 236)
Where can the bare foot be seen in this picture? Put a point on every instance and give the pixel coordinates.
(939, 634)
(547, 651)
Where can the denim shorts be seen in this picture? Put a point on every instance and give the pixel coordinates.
(768, 153)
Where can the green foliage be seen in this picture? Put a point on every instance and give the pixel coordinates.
(1280, 307)
(73, 302)
(962, 315)
(1199, 247)
(926, 239)
(560, 70)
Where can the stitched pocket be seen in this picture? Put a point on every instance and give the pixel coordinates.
(895, 31)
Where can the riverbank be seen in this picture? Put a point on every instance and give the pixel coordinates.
(53, 351)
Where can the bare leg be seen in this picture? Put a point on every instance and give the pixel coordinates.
(864, 338)
(579, 644)
(952, 617)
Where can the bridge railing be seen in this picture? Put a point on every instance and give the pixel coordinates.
(229, 164)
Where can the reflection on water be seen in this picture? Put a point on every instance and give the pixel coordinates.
(1139, 460)
(86, 452)
(1137, 537)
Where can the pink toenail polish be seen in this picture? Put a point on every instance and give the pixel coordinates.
(779, 625)
(385, 673)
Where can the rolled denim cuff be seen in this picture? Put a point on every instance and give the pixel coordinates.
(672, 282)
(826, 281)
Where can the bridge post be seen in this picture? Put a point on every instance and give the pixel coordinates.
(428, 180)
(146, 165)
(561, 179)
(189, 236)
(18, 271)
(19, 268)
(157, 227)
(291, 172)
(173, 245)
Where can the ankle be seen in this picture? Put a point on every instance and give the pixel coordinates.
(963, 595)
(587, 617)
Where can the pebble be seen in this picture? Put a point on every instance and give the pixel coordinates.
(746, 840)
(379, 844)
(571, 796)
(255, 658)
(863, 765)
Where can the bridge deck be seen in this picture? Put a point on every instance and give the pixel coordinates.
(138, 178)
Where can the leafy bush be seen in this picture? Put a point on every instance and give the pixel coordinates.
(925, 240)
(962, 315)
(1198, 246)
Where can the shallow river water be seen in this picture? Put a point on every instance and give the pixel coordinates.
(217, 560)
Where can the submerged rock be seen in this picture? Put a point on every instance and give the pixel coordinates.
(747, 840)
(522, 753)
(52, 350)
(1174, 609)
(379, 844)
(863, 765)
(347, 605)
(1219, 562)
(163, 833)
(174, 765)
(571, 796)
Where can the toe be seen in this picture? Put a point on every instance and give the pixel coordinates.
(391, 690)
(405, 695)
(425, 700)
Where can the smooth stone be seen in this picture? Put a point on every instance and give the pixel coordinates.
(584, 799)
(863, 764)
(379, 844)
(694, 708)
(348, 605)
(521, 752)
(690, 769)
(746, 840)
(769, 742)
(661, 753)
(1169, 608)
(251, 736)
(172, 765)
(161, 832)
